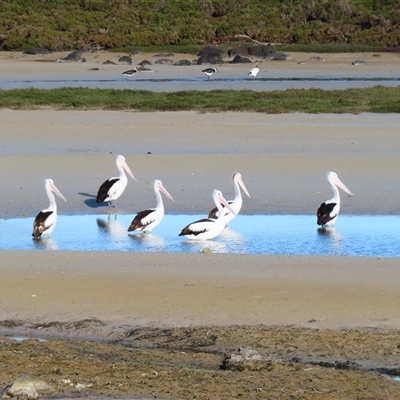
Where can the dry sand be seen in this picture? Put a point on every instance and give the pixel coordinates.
(283, 160)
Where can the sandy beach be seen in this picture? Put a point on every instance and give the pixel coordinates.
(283, 160)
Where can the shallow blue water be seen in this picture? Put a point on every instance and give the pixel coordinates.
(354, 235)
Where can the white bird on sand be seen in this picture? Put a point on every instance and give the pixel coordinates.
(147, 220)
(254, 71)
(236, 203)
(112, 188)
(45, 221)
(209, 71)
(329, 210)
(130, 72)
(208, 228)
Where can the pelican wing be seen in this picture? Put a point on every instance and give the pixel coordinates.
(324, 213)
(39, 225)
(198, 227)
(214, 212)
(142, 219)
(106, 189)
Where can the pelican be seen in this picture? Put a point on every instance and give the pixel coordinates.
(130, 72)
(254, 71)
(329, 210)
(45, 221)
(112, 188)
(208, 228)
(209, 71)
(236, 203)
(147, 220)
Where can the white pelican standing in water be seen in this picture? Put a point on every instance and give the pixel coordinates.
(112, 188)
(147, 220)
(209, 71)
(236, 203)
(329, 210)
(254, 71)
(45, 221)
(208, 228)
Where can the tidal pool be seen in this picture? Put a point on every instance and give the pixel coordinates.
(354, 235)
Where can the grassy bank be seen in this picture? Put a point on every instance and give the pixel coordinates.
(110, 24)
(378, 99)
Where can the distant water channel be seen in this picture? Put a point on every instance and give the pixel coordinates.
(168, 84)
(203, 84)
(354, 235)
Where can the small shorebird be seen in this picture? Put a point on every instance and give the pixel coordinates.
(328, 211)
(236, 203)
(147, 220)
(45, 221)
(112, 188)
(209, 71)
(130, 72)
(208, 228)
(254, 71)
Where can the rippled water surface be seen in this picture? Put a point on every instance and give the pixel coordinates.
(354, 235)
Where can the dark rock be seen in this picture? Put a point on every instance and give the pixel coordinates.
(164, 55)
(144, 69)
(211, 55)
(279, 57)
(75, 56)
(94, 69)
(164, 61)
(239, 51)
(37, 50)
(125, 60)
(240, 60)
(145, 62)
(183, 62)
(260, 50)
(109, 62)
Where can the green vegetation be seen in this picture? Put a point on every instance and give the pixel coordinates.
(378, 99)
(111, 24)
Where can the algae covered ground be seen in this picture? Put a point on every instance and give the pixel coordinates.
(191, 363)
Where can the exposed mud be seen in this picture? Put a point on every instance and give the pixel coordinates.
(190, 363)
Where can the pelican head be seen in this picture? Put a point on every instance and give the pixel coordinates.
(159, 186)
(120, 161)
(334, 180)
(49, 185)
(220, 199)
(237, 177)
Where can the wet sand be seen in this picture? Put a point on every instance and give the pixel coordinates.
(283, 160)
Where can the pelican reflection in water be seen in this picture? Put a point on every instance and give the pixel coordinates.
(111, 226)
